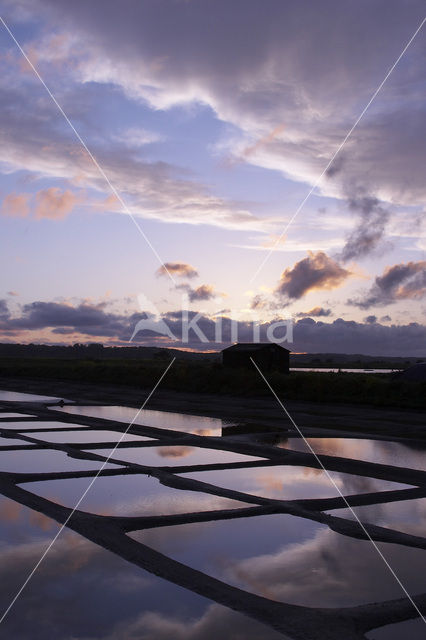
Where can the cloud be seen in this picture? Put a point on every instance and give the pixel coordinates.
(180, 269)
(88, 322)
(258, 302)
(4, 309)
(54, 204)
(404, 281)
(317, 271)
(348, 336)
(316, 312)
(16, 205)
(264, 140)
(155, 190)
(87, 319)
(370, 229)
(203, 292)
(168, 57)
(137, 137)
(370, 319)
(261, 302)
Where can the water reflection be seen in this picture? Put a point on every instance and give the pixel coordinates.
(280, 556)
(129, 495)
(8, 414)
(44, 461)
(11, 441)
(408, 516)
(199, 425)
(413, 629)
(381, 451)
(292, 483)
(339, 369)
(176, 455)
(78, 580)
(13, 396)
(292, 560)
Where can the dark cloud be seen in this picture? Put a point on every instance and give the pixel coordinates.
(317, 271)
(203, 292)
(370, 230)
(89, 320)
(180, 269)
(316, 312)
(4, 310)
(405, 281)
(370, 319)
(258, 302)
(86, 323)
(348, 336)
(336, 166)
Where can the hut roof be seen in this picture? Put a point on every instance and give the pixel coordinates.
(254, 346)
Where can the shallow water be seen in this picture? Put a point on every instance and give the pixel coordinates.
(14, 396)
(15, 442)
(342, 370)
(43, 462)
(291, 559)
(139, 495)
(199, 425)
(292, 483)
(176, 455)
(82, 591)
(408, 516)
(6, 414)
(380, 451)
(278, 556)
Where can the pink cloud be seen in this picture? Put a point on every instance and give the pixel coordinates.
(51, 203)
(54, 204)
(16, 205)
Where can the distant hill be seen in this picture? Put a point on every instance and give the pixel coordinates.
(97, 351)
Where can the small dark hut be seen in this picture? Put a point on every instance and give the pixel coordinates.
(267, 355)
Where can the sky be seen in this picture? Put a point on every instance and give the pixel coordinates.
(167, 155)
